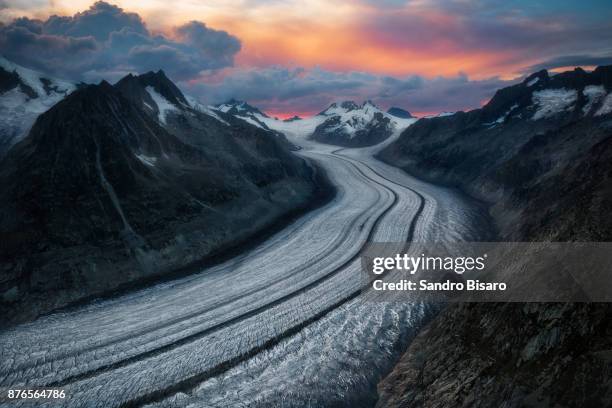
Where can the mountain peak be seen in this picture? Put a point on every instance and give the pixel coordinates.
(335, 107)
(153, 91)
(536, 77)
(105, 84)
(349, 105)
(236, 106)
(369, 103)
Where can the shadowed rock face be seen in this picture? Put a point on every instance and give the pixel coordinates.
(106, 191)
(541, 154)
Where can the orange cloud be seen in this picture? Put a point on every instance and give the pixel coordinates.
(339, 36)
(344, 45)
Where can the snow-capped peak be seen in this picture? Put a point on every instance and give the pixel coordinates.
(237, 107)
(349, 106)
(349, 124)
(41, 84)
(343, 117)
(25, 95)
(248, 113)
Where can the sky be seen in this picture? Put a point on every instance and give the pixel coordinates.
(297, 56)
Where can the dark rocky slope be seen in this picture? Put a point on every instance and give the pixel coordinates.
(527, 145)
(115, 185)
(545, 167)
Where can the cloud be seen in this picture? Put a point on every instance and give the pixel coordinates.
(215, 44)
(105, 42)
(99, 22)
(304, 91)
(299, 56)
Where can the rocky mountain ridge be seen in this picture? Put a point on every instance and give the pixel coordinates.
(342, 123)
(540, 153)
(546, 134)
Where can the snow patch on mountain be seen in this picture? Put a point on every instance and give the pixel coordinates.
(34, 79)
(253, 122)
(208, 110)
(502, 118)
(148, 160)
(533, 81)
(163, 105)
(244, 111)
(440, 115)
(224, 108)
(551, 102)
(34, 94)
(594, 94)
(606, 106)
(298, 129)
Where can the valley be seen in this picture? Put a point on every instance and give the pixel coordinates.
(190, 339)
(116, 186)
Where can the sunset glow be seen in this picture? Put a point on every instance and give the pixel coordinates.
(435, 40)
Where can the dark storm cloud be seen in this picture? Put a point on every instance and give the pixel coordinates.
(282, 83)
(105, 42)
(99, 22)
(217, 45)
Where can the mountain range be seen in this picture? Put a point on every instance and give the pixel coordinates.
(105, 187)
(344, 123)
(120, 184)
(544, 137)
(539, 155)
